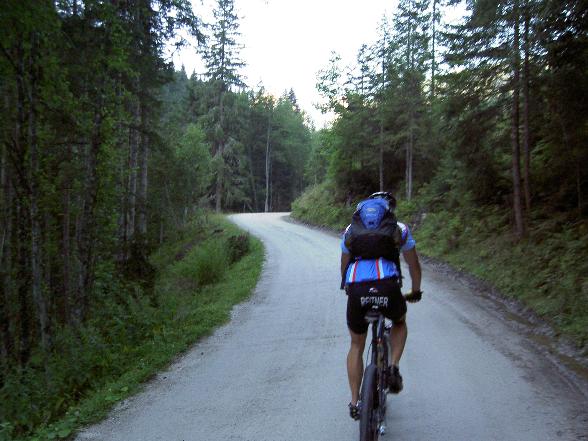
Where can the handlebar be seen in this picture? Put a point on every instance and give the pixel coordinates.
(413, 297)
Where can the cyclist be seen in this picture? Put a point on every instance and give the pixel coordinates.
(377, 280)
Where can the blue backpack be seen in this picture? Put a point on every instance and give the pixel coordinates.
(374, 232)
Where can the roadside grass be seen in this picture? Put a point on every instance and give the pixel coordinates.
(200, 277)
(547, 271)
(316, 206)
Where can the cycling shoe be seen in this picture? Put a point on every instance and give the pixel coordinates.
(394, 380)
(354, 410)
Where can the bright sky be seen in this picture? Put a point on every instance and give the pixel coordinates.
(288, 41)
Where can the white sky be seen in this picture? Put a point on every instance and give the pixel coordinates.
(288, 41)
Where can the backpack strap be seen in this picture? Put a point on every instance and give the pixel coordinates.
(403, 240)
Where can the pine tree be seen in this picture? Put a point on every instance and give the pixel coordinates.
(221, 56)
(383, 52)
(411, 33)
(489, 46)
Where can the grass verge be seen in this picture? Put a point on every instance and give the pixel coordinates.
(200, 277)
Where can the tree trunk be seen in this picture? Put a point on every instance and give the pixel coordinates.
(142, 194)
(21, 216)
(177, 221)
(5, 261)
(134, 146)
(410, 146)
(515, 136)
(87, 224)
(526, 131)
(66, 244)
(267, 161)
(123, 173)
(36, 247)
(23, 277)
(409, 161)
(5, 204)
(219, 178)
(252, 178)
(579, 188)
(383, 86)
(66, 257)
(568, 148)
(406, 161)
(381, 156)
(434, 41)
(410, 164)
(220, 154)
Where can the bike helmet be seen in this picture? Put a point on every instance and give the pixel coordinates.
(386, 195)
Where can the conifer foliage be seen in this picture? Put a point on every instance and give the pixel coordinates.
(487, 110)
(105, 153)
(221, 56)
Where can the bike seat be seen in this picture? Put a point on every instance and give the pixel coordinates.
(372, 316)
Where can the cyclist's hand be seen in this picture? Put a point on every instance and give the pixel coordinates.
(413, 296)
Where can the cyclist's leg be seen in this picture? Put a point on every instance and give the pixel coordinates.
(358, 332)
(396, 311)
(355, 364)
(398, 335)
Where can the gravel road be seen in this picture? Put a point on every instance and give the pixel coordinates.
(277, 371)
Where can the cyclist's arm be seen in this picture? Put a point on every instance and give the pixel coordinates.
(414, 267)
(345, 259)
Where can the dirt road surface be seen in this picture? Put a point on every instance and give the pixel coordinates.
(277, 371)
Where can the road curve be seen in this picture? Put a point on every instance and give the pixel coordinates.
(277, 371)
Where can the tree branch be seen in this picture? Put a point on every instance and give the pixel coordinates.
(9, 58)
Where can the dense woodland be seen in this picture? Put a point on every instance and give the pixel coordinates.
(490, 110)
(107, 151)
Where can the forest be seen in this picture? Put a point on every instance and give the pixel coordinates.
(480, 127)
(109, 154)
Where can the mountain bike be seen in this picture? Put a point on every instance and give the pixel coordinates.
(374, 385)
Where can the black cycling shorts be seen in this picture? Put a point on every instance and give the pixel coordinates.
(362, 296)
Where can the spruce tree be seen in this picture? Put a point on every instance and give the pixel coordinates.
(411, 24)
(221, 57)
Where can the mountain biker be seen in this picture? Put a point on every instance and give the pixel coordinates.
(364, 278)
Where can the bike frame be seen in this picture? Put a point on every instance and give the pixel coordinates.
(379, 361)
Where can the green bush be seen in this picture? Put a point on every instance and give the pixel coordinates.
(238, 246)
(207, 262)
(317, 206)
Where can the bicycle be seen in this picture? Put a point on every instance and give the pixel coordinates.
(374, 385)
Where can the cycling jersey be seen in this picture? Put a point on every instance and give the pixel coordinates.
(367, 270)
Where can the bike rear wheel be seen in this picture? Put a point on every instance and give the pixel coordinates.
(368, 421)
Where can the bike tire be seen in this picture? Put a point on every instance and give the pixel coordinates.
(383, 377)
(368, 424)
